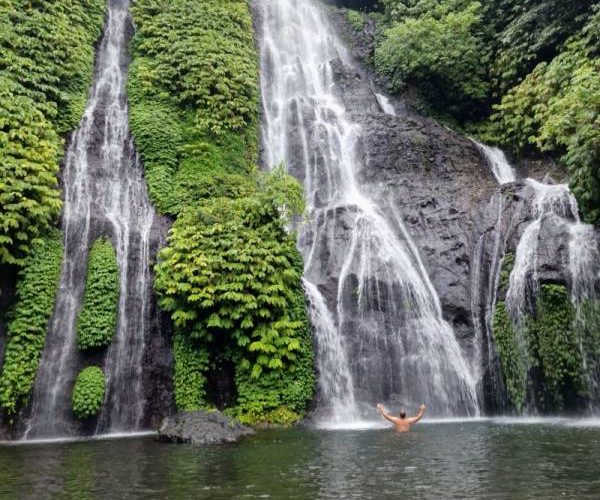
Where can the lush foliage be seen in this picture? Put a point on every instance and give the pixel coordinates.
(36, 292)
(557, 108)
(280, 396)
(98, 316)
(545, 350)
(587, 328)
(231, 270)
(536, 63)
(29, 152)
(230, 274)
(356, 19)
(554, 346)
(88, 392)
(193, 88)
(435, 49)
(512, 356)
(46, 60)
(191, 365)
(522, 34)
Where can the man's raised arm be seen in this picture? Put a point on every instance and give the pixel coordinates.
(381, 410)
(418, 416)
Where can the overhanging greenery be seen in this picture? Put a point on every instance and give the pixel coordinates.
(46, 61)
(97, 319)
(36, 293)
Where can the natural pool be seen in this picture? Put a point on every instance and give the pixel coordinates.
(485, 459)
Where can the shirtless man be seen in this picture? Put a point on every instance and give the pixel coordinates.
(402, 424)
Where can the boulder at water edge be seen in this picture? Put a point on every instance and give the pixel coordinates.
(201, 427)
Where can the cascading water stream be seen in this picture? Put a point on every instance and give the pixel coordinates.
(555, 204)
(501, 168)
(378, 322)
(385, 104)
(105, 195)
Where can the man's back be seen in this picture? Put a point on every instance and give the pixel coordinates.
(402, 423)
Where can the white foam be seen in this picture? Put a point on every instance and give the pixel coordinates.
(78, 439)
(362, 425)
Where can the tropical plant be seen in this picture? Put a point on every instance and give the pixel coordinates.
(97, 319)
(26, 334)
(88, 392)
(46, 65)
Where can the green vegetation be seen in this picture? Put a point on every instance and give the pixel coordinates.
(191, 365)
(230, 275)
(231, 270)
(436, 48)
(554, 347)
(546, 350)
(46, 62)
(356, 19)
(88, 392)
(97, 320)
(557, 108)
(36, 292)
(512, 356)
(193, 88)
(587, 327)
(522, 74)
(508, 265)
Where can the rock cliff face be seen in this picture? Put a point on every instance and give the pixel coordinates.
(460, 220)
(437, 181)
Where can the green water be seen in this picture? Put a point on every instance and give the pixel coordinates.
(469, 460)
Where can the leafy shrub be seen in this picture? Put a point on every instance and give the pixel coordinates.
(88, 392)
(45, 71)
(439, 55)
(507, 267)
(29, 152)
(232, 270)
(549, 355)
(557, 108)
(36, 293)
(554, 346)
(203, 142)
(529, 32)
(191, 364)
(203, 53)
(280, 396)
(97, 319)
(356, 19)
(512, 356)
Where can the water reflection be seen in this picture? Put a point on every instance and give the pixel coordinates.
(471, 460)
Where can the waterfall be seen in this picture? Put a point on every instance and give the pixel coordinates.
(385, 104)
(332, 363)
(501, 168)
(551, 205)
(548, 201)
(105, 195)
(377, 319)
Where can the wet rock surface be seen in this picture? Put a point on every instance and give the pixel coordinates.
(462, 223)
(202, 427)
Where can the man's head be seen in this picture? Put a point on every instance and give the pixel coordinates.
(402, 413)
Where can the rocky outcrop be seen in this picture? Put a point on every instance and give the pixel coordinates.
(461, 221)
(202, 427)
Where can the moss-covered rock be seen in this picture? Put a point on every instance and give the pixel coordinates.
(88, 392)
(97, 319)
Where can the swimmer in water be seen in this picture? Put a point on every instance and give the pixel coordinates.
(402, 423)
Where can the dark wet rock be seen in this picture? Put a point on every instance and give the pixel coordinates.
(442, 189)
(202, 427)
